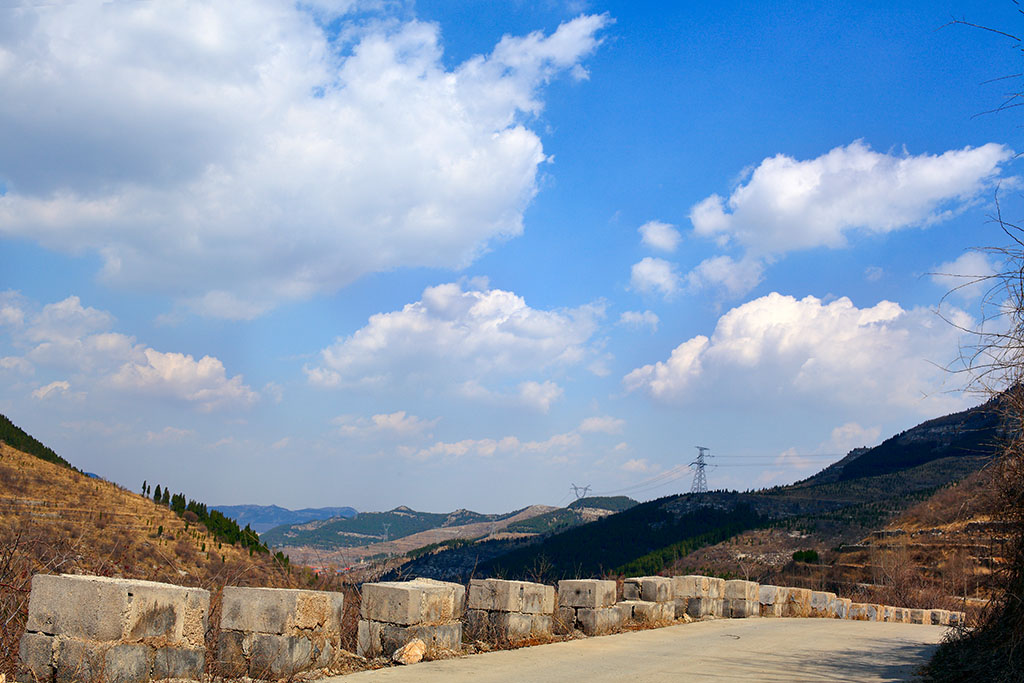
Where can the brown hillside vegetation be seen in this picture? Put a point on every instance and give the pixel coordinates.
(56, 520)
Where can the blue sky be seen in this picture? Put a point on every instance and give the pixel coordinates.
(463, 254)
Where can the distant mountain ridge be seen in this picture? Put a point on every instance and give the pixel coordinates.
(262, 518)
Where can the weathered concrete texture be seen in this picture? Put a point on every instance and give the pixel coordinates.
(920, 616)
(823, 604)
(769, 600)
(375, 639)
(741, 590)
(506, 627)
(940, 617)
(590, 593)
(116, 630)
(496, 595)
(797, 602)
(705, 607)
(647, 612)
(738, 608)
(103, 609)
(271, 633)
(865, 611)
(841, 607)
(396, 612)
(421, 601)
(648, 588)
(596, 621)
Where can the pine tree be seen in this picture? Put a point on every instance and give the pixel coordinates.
(143, 487)
(166, 498)
(156, 494)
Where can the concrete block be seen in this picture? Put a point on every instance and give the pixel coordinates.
(182, 663)
(920, 616)
(280, 611)
(716, 588)
(704, 607)
(368, 638)
(797, 602)
(511, 596)
(232, 647)
(690, 586)
(131, 663)
(865, 611)
(600, 620)
(739, 608)
(79, 660)
(655, 589)
(647, 612)
(412, 602)
(631, 589)
(278, 656)
(437, 637)
(511, 626)
(103, 609)
(822, 604)
(841, 607)
(741, 590)
(590, 593)
(769, 600)
(940, 617)
(36, 657)
(564, 620)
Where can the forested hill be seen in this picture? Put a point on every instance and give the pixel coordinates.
(262, 518)
(15, 437)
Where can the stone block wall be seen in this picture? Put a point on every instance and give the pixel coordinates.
(509, 611)
(396, 612)
(272, 633)
(84, 628)
(589, 605)
(698, 596)
(741, 599)
(771, 600)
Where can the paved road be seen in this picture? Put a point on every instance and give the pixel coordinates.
(725, 650)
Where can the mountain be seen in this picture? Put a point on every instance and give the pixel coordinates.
(840, 504)
(370, 527)
(261, 518)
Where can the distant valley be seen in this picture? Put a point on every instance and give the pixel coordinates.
(262, 518)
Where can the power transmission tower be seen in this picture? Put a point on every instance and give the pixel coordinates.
(387, 527)
(580, 491)
(700, 481)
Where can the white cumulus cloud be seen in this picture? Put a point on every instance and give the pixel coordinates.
(540, 395)
(640, 319)
(778, 348)
(660, 236)
(655, 275)
(236, 155)
(964, 277)
(462, 339)
(177, 375)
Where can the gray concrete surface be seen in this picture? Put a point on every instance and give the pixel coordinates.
(725, 650)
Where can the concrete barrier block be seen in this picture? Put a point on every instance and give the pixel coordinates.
(823, 604)
(590, 593)
(716, 587)
(538, 598)
(741, 590)
(704, 607)
(865, 611)
(920, 616)
(770, 603)
(103, 609)
(406, 603)
(437, 637)
(656, 589)
(690, 586)
(797, 602)
(280, 610)
(564, 621)
(739, 608)
(179, 663)
(275, 656)
(595, 621)
(133, 662)
(368, 638)
(511, 596)
(841, 607)
(36, 657)
(631, 589)
(79, 660)
(940, 617)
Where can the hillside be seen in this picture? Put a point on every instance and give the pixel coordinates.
(371, 527)
(262, 518)
(750, 533)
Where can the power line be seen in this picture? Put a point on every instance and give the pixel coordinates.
(700, 481)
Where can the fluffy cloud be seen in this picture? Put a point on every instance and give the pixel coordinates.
(660, 236)
(240, 154)
(779, 348)
(639, 465)
(786, 204)
(397, 423)
(540, 395)
(851, 435)
(486, 448)
(735, 278)
(71, 338)
(964, 277)
(655, 275)
(640, 319)
(461, 338)
(602, 423)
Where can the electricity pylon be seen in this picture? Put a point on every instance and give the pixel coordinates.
(700, 481)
